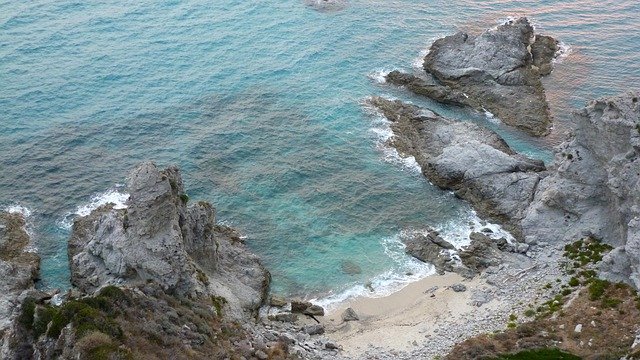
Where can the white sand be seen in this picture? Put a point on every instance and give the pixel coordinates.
(396, 321)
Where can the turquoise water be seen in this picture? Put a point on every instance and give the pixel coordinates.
(260, 104)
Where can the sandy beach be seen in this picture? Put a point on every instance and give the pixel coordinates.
(403, 319)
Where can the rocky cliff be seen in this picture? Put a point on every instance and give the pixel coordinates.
(159, 279)
(471, 160)
(594, 189)
(591, 190)
(498, 70)
(159, 239)
(18, 271)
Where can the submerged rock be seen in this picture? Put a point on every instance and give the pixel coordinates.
(350, 267)
(498, 70)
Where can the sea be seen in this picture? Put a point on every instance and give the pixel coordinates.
(261, 105)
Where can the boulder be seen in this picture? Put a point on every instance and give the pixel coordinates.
(430, 248)
(298, 306)
(350, 315)
(277, 301)
(314, 310)
(315, 329)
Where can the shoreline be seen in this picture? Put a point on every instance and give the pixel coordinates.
(426, 318)
(411, 311)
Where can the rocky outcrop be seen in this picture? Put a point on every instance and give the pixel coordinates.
(431, 248)
(498, 70)
(594, 189)
(471, 160)
(159, 239)
(18, 272)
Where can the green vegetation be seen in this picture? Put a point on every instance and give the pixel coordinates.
(513, 317)
(597, 288)
(218, 302)
(539, 354)
(529, 313)
(586, 251)
(86, 315)
(574, 282)
(184, 198)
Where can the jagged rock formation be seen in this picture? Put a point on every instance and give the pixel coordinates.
(471, 160)
(498, 70)
(18, 271)
(592, 189)
(159, 239)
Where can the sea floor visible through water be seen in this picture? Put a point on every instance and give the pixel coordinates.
(261, 106)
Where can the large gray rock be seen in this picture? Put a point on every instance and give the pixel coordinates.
(159, 239)
(18, 272)
(430, 248)
(471, 160)
(595, 188)
(498, 70)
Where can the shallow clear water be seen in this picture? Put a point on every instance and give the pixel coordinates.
(260, 104)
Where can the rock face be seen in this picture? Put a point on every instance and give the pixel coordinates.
(466, 158)
(592, 189)
(159, 239)
(595, 188)
(498, 70)
(18, 273)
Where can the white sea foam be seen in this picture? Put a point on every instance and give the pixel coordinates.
(489, 115)
(112, 196)
(418, 62)
(564, 50)
(406, 270)
(381, 127)
(379, 76)
(18, 209)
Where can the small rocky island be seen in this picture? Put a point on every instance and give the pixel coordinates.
(498, 71)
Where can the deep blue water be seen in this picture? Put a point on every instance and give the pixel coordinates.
(260, 104)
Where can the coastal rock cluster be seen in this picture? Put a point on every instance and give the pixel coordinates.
(464, 157)
(157, 279)
(591, 189)
(498, 71)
